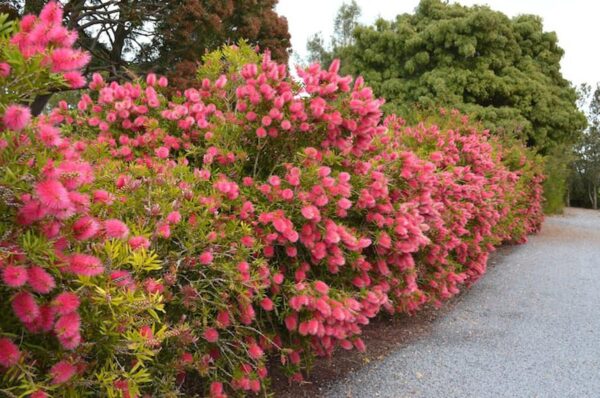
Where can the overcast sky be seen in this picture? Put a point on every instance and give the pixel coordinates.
(576, 23)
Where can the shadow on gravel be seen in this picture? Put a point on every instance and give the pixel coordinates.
(382, 336)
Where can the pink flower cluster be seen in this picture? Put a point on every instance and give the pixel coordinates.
(45, 35)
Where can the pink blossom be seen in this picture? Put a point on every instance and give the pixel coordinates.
(85, 228)
(206, 258)
(321, 287)
(16, 117)
(174, 217)
(137, 242)
(162, 152)
(85, 265)
(211, 335)
(40, 280)
(62, 372)
(255, 351)
(14, 275)
(163, 230)
(9, 353)
(102, 196)
(74, 79)
(25, 307)
(115, 229)
(67, 325)
(4, 69)
(152, 286)
(53, 194)
(310, 212)
(65, 303)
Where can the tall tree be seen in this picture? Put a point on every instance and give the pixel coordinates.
(505, 71)
(189, 28)
(346, 21)
(586, 181)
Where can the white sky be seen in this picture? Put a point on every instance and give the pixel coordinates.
(574, 21)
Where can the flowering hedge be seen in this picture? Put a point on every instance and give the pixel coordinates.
(166, 245)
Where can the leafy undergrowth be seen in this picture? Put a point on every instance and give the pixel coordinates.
(166, 245)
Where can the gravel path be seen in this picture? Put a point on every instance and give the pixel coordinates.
(529, 328)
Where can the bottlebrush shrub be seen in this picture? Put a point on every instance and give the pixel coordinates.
(167, 245)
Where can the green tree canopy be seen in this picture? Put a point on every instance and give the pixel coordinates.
(505, 71)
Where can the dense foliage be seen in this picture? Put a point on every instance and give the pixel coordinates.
(167, 246)
(585, 181)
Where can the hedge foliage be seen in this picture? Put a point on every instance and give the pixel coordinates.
(167, 246)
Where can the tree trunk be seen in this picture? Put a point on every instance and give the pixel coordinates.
(37, 107)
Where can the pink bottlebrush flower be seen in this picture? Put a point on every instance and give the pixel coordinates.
(121, 278)
(49, 135)
(85, 228)
(14, 276)
(68, 325)
(267, 304)
(65, 303)
(247, 241)
(4, 69)
(53, 194)
(174, 217)
(206, 258)
(85, 265)
(9, 353)
(74, 79)
(153, 286)
(216, 389)
(40, 280)
(67, 59)
(321, 287)
(62, 372)
(115, 229)
(310, 212)
(80, 201)
(163, 230)
(211, 335)
(151, 79)
(102, 196)
(70, 342)
(255, 351)
(146, 332)
(137, 242)
(16, 117)
(291, 322)
(46, 319)
(51, 14)
(223, 320)
(25, 307)
(39, 394)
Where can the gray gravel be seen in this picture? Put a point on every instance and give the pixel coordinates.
(529, 328)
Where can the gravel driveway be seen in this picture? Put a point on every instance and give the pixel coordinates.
(529, 328)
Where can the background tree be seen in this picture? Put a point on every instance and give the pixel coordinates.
(586, 178)
(191, 27)
(346, 21)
